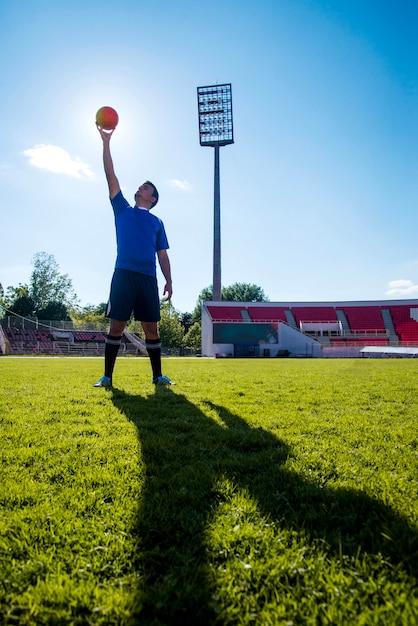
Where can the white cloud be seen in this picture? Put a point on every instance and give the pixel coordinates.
(183, 185)
(402, 288)
(57, 160)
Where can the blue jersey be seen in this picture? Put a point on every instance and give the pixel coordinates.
(139, 236)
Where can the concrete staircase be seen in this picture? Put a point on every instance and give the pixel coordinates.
(342, 318)
(290, 319)
(387, 318)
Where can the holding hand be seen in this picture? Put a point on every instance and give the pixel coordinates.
(105, 134)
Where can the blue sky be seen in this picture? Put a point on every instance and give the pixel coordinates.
(319, 192)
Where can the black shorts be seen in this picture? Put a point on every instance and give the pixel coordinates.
(133, 292)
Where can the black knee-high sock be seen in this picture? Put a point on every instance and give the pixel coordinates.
(153, 347)
(112, 345)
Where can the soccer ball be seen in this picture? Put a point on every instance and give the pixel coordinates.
(107, 118)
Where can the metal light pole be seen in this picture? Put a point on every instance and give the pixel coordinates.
(216, 129)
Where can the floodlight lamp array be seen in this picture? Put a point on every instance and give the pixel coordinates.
(215, 115)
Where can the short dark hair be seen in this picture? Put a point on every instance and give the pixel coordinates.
(155, 192)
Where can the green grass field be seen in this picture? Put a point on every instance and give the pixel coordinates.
(265, 492)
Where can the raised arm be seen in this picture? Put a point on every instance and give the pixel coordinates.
(111, 178)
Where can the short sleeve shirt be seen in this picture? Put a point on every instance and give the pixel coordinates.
(139, 236)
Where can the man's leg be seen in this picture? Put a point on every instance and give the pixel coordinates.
(153, 345)
(112, 345)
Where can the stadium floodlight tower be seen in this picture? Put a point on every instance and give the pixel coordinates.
(216, 129)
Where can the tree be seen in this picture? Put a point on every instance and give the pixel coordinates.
(90, 314)
(17, 300)
(49, 294)
(54, 311)
(205, 294)
(170, 328)
(186, 321)
(238, 292)
(12, 294)
(193, 338)
(23, 305)
(244, 292)
(47, 285)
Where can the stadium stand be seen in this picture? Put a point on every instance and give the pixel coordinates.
(358, 341)
(35, 341)
(364, 319)
(360, 320)
(30, 341)
(405, 326)
(319, 314)
(88, 336)
(342, 325)
(227, 313)
(268, 314)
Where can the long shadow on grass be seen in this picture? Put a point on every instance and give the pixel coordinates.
(185, 453)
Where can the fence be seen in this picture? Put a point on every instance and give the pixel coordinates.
(33, 323)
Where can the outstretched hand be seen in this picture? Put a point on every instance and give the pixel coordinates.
(105, 134)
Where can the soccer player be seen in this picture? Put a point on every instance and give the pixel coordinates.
(140, 238)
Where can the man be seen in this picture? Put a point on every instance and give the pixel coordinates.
(140, 237)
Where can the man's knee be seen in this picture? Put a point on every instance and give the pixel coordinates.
(116, 328)
(151, 330)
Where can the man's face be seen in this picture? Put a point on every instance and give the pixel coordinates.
(145, 195)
